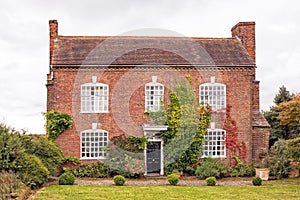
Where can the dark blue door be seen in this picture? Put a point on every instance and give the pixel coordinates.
(153, 157)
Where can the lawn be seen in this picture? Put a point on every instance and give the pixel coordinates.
(282, 189)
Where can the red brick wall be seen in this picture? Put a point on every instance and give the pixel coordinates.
(260, 141)
(127, 99)
(256, 96)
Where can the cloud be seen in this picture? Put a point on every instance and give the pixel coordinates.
(24, 40)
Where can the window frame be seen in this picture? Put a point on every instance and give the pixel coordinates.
(88, 148)
(210, 98)
(157, 98)
(93, 100)
(213, 151)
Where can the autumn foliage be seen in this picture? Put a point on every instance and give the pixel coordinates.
(233, 146)
(290, 111)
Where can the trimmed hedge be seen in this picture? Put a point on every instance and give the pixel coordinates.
(66, 178)
(211, 181)
(256, 181)
(173, 179)
(119, 180)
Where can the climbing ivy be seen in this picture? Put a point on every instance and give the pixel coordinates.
(56, 123)
(187, 122)
(233, 146)
(160, 116)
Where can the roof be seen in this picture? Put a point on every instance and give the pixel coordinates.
(133, 50)
(258, 120)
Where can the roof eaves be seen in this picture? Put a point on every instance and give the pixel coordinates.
(152, 65)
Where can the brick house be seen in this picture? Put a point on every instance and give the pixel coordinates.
(107, 83)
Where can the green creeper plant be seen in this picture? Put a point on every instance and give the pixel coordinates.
(187, 122)
(56, 123)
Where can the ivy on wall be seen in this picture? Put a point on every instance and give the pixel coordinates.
(187, 123)
(233, 146)
(56, 123)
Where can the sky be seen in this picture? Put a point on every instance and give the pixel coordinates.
(24, 41)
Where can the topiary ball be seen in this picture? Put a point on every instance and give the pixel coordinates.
(119, 180)
(173, 179)
(257, 181)
(66, 178)
(211, 181)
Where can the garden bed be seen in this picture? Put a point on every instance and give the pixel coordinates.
(161, 181)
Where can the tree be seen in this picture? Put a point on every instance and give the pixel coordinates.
(282, 96)
(277, 130)
(289, 112)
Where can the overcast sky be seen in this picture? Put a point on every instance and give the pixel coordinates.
(24, 41)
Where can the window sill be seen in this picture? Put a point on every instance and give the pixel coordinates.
(213, 157)
(96, 158)
(104, 112)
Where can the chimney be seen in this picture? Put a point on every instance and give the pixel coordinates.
(53, 31)
(245, 32)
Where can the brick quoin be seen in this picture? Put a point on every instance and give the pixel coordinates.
(64, 82)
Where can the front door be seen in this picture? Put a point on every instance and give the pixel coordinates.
(153, 155)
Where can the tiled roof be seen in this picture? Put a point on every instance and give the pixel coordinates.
(133, 50)
(258, 120)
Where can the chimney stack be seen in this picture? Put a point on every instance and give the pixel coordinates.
(53, 31)
(245, 31)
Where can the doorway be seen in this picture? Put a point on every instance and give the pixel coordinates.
(154, 157)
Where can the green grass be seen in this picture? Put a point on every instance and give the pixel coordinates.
(283, 189)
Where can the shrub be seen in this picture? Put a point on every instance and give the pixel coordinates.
(293, 148)
(49, 153)
(8, 184)
(241, 169)
(212, 167)
(278, 162)
(32, 171)
(190, 171)
(10, 147)
(66, 178)
(124, 162)
(256, 181)
(119, 180)
(211, 181)
(72, 159)
(93, 170)
(173, 179)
